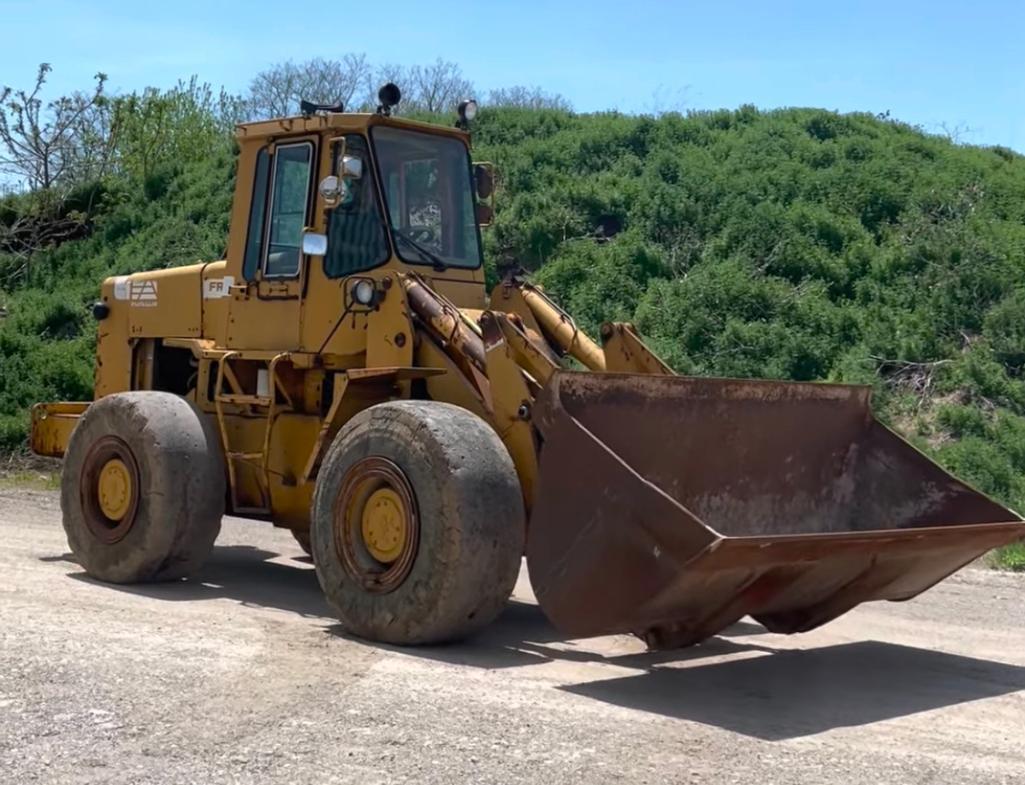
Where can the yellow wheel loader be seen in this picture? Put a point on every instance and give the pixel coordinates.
(344, 374)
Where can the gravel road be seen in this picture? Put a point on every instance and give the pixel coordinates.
(242, 676)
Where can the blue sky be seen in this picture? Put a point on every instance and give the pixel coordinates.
(953, 64)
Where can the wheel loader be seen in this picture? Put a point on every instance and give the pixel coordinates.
(344, 374)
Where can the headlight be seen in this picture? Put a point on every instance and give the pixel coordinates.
(363, 292)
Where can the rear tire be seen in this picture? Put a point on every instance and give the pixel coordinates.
(160, 512)
(452, 563)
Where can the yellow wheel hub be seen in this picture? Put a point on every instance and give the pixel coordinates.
(115, 489)
(384, 525)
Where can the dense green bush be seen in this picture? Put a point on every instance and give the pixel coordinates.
(797, 243)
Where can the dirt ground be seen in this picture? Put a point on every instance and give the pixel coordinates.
(242, 676)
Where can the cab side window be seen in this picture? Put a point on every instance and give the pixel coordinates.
(289, 202)
(257, 214)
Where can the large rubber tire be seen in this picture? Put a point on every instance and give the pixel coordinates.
(471, 523)
(177, 461)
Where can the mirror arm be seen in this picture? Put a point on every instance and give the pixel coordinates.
(337, 144)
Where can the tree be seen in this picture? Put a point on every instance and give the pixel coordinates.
(277, 91)
(160, 128)
(47, 144)
(438, 87)
(435, 88)
(528, 98)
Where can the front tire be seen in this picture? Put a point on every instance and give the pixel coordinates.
(142, 489)
(418, 523)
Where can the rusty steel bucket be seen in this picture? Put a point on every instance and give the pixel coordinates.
(672, 507)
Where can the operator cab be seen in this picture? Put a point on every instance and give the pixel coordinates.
(329, 198)
(397, 190)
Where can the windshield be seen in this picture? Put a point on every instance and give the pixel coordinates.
(426, 183)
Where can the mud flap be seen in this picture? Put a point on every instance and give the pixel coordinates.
(671, 507)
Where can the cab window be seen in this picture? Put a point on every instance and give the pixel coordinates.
(357, 239)
(257, 214)
(428, 191)
(289, 201)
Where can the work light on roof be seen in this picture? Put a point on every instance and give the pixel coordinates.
(389, 95)
(467, 111)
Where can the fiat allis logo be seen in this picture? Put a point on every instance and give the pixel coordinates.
(142, 294)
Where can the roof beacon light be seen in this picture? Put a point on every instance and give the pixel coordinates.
(389, 95)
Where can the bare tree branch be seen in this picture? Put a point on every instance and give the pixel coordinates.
(436, 88)
(42, 145)
(277, 91)
(528, 98)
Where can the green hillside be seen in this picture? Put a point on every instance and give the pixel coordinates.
(792, 244)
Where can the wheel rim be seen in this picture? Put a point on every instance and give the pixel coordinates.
(383, 525)
(115, 489)
(376, 526)
(109, 486)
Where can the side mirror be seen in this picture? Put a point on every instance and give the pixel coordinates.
(484, 180)
(352, 167)
(484, 185)
(335, 188)
(485, 215)
(314, 243)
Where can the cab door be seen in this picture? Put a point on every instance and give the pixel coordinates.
(357, 242)
(265, 307)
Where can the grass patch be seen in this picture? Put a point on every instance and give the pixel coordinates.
(1010, 558)
(30, 480)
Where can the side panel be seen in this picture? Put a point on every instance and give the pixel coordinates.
(262, 324)
(292, 439)
(162, 303)
(113, 346)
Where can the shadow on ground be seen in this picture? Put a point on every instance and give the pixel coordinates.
(750, 687)
(788, 694)
(241, 573)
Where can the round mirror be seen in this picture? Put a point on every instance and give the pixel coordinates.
(331, 189)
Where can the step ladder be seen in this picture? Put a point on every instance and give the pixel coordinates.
(238, 397)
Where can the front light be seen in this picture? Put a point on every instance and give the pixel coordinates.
(363, 292)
